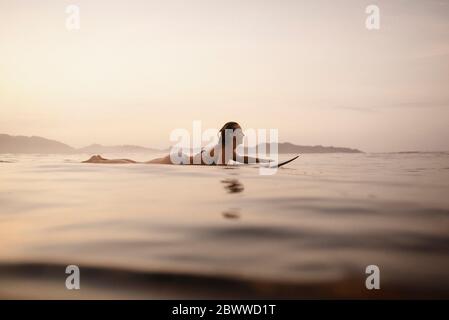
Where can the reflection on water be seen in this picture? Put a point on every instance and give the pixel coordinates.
(157, 231)
(232, 213)
(233, 185)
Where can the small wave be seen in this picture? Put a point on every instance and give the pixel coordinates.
(46, 280)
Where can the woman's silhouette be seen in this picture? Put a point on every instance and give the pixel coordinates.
(230, 136)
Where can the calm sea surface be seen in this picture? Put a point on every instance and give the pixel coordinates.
(160, 231)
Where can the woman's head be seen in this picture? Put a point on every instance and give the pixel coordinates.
(231, 131)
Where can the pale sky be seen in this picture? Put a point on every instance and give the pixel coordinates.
(138, 69)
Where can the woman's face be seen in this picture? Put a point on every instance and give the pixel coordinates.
(238, 136)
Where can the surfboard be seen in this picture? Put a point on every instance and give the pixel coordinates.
(288, 161)
(280, 164)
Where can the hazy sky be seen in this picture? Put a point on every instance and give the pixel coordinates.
(136, 70)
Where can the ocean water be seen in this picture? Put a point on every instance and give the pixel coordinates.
(161, 231)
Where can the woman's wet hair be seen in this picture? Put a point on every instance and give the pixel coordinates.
(232, 125)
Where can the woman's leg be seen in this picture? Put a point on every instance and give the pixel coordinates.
(163, 160)
(100, 159)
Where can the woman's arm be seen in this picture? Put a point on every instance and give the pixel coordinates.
(247, 159)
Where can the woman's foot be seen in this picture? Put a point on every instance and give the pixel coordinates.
(94, 159)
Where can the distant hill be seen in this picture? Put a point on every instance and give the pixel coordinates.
(287, 147)
(98, 148)
(22, 144)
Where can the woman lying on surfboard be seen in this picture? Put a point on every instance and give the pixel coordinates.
(230, 136)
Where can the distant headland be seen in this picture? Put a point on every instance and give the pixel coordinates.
(34, 144)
